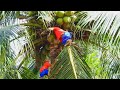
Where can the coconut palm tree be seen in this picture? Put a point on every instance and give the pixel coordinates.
(95, 54)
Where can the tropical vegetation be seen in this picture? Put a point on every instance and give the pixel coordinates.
(25, 45)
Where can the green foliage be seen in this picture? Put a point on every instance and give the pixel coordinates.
(97, 58)
(94, 63)
(70, 67)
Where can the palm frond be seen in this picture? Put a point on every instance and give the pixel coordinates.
(70, 66)
(47, 17)
(106, 26)
(9, 27)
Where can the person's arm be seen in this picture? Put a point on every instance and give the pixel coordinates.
(51, 28)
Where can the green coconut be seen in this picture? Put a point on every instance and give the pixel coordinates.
(67, 19)
(59, 21)
(60, 13)
(69, 13)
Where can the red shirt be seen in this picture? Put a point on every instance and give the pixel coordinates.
(43, 68)
(47, 64)
(58, 33)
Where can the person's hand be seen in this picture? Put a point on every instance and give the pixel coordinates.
(51, 28)
(69, 42)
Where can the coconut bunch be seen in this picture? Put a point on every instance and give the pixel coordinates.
(64, 18)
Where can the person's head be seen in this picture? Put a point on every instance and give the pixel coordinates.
(47, 60)
(66, 37)
(69, 42)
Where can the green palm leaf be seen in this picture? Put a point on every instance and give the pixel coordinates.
(105, 35)
(70, 65)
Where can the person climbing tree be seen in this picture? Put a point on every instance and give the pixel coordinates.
(44, 70)
(63, 36)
